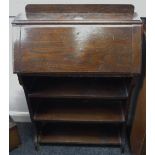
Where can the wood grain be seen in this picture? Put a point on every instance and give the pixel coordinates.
(84, 49)
(79, 8)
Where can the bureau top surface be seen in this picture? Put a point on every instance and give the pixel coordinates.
(48, 14)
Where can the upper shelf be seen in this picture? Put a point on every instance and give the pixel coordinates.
(67, 14)
(80, 88)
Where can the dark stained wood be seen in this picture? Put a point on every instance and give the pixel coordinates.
(77, 134)
(84, 113)
(79, 8)
(85, 54)
(143, 150)
(84, 49)
(138, 133)
(16, 45)
(80, 88)
(78, 48)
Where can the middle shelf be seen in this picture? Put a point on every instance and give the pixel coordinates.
(86, 112)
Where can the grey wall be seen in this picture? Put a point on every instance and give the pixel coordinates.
(18, 108)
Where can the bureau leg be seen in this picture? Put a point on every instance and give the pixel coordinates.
(36, 144)
(122, 149)
(123, 139)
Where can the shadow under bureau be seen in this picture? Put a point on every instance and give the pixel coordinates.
(78, 66)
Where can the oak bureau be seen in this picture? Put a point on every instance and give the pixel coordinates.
(78, 66)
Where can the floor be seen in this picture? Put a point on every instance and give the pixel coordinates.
(27, 147)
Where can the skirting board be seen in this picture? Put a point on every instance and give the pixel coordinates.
(20, 116)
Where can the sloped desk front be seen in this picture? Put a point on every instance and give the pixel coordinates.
(78, 48)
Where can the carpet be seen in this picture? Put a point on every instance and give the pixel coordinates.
(27, 146)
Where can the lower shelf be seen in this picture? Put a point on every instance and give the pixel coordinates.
(80, 135)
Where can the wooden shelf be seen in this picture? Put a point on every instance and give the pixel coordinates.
(78, 134)
(80, 113)
(80, 88)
